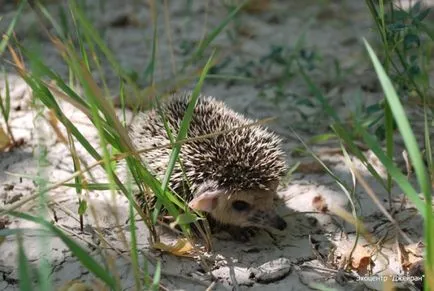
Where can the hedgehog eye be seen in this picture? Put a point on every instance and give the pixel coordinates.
(240, 205)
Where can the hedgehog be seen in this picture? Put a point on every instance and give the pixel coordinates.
(232, 177)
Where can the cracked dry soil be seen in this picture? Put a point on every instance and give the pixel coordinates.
(314, 245)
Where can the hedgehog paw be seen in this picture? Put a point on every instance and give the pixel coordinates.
(242, 234)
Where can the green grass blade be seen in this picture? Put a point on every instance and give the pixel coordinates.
(157, 276)
(40, 70)
(338, 126)
(41, 152)
(428, 147)
(76, 164)
(7, 98)
(15, 231)
(150, 69)
(338, 181)
(211, 36)
(87, 260)
(6, 107)
(342, 133)
(321, 138)
(45, 96)
(394, 172)
(412, 148)
(133, 245)
(63, 22)
(89, 31)
(388, 126)
(182, 134)
(25, 278)
(185, 123)
(319, 96)
(7, 35)
(50, 18)
(403, 125)
(321, 287)
(103, 115)
(91, 186)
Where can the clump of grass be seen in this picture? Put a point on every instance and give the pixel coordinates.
(417, 162)
(406, 41)
(403, 38)
(5, 109)
(83, 50)
(5, 104)
(402, 72)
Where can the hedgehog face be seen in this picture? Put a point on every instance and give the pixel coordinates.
(253, 208)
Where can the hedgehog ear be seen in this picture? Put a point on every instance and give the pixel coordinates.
(205, 201)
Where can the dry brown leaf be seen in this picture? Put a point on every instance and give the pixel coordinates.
(403, 256)
(319, 204)
(360, 260)
(54, 122)
(362, 264)
(5, 141)
(19, 63)
(410, 254)
(182, 248)
(416, 249)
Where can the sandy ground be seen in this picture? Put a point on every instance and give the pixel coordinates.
(330, 33)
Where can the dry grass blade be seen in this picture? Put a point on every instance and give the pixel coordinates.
(378, 203)
(19, 63)
(68, 99)
(54, 123)
(348, 217)
(4, 140)
(106, 108)
(25, 200)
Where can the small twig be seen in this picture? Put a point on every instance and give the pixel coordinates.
(65, 210)
(210, 286)
(371, 194)
(16, 205)
(407, 163)
(5, 210)
(9, 130)
(409, 172)
(328, 270)
(232, 275)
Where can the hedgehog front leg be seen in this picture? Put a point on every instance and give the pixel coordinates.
(241, 234)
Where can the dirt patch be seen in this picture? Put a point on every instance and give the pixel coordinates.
(324, 37)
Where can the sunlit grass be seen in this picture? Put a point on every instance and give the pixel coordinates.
(114, 142)
(84, 51)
